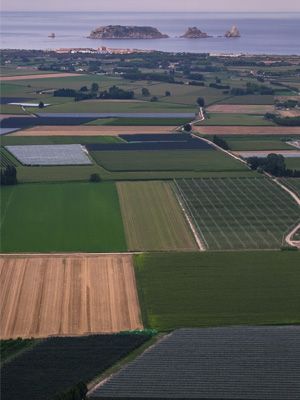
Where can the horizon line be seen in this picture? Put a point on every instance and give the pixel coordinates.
(160, 11)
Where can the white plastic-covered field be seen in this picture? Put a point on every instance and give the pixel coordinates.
(57, 154)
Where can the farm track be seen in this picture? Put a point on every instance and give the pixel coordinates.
(37, 76)
(79, 294)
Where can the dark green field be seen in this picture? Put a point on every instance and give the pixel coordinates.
(7, 140)
(235, 119)
(12, 347)
(265, 142)
(167, 160)
(61, 217)
(216, 289)
(140, 122)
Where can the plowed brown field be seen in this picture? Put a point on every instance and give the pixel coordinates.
(84, 130)
(67, 295)
(37, 76)
(240, 108)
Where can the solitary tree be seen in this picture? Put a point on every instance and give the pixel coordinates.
(201, 102)
(154, 98)
(95, 178)
(187, 127)
(168, 93)
(145, 92)
(94, 87)
(41, 104)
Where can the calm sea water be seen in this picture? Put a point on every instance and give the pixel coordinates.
(261, 33)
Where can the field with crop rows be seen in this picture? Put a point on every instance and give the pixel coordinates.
(239, 213)
(218, 288)
(292, 183)
(57, 365)
(61, 217)
(152, 217)
(185, 363)
(268, 142)
(67, 295)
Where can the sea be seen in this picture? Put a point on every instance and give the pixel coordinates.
(261, 33)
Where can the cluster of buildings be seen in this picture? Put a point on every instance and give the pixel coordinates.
(99, 50)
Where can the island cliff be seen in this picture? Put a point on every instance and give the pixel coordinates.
(233, 33)
(126, 32)
(194, 33)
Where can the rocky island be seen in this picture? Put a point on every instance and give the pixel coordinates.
(194, 33)
(233, 33)
(126, 32)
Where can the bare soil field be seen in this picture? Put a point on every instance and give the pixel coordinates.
(3, 116)
(37, 76)
(240, 108)
(247, 130)
(85, 130)
(264, 153)
(293, 112)
(79, 294)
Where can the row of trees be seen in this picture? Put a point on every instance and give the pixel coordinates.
(283, 121)
(273, 164)
(114, 92)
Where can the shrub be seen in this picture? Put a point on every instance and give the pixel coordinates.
(95, 178)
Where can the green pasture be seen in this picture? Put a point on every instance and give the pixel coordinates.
(232, 119)
(61, 218)
(217, 289)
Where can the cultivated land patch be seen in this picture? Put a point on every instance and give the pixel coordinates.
(67, 295)
(89, 130)
(292, 183)
(240, 108)
(37, 76)
(153, 219)
(239, 213)
(248, 130)
(218, 288)
(61, 217)
(167, 160)
(220, 119)
(244, 143)
(184, 364)
(264, 153)
(64, 154)
(59, 365)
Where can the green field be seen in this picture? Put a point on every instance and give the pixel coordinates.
(216, 289)
(61, 217)
(249, 99)
(292, 183)
(232, 119)
(239, 213)
(140, 122)
(267, 142)
(167, 160)
(292, 162)
(6, 140)
(152, 217)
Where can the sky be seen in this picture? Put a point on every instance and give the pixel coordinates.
(153, 5)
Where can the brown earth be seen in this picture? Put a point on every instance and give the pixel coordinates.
(240, 108)
(84, 130)
(247, 130)
(37, 76)
(293, 112)
(46, 295)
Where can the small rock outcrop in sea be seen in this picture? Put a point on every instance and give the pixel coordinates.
(126, 32)
(233, 33)
(194, 33)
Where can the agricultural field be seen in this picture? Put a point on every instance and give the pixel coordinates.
(10, 348)
(247, 130)
(250, 99)
(218, 288)
(167, 160)
(165, 123)
(63, 295)
(61, 217)
(21, 140)
(293, 162)
(56, 366)
(268, 142)
(239, 213)
(152, 217)
(230, 119)
(57, 154)
(255, 109)
(36, 76)
(184, 364)
(292, 183)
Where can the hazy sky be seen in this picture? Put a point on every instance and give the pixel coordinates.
(153, 5)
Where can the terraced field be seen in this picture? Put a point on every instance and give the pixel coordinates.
(67, 295)
(239, 213)
(152, 217)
